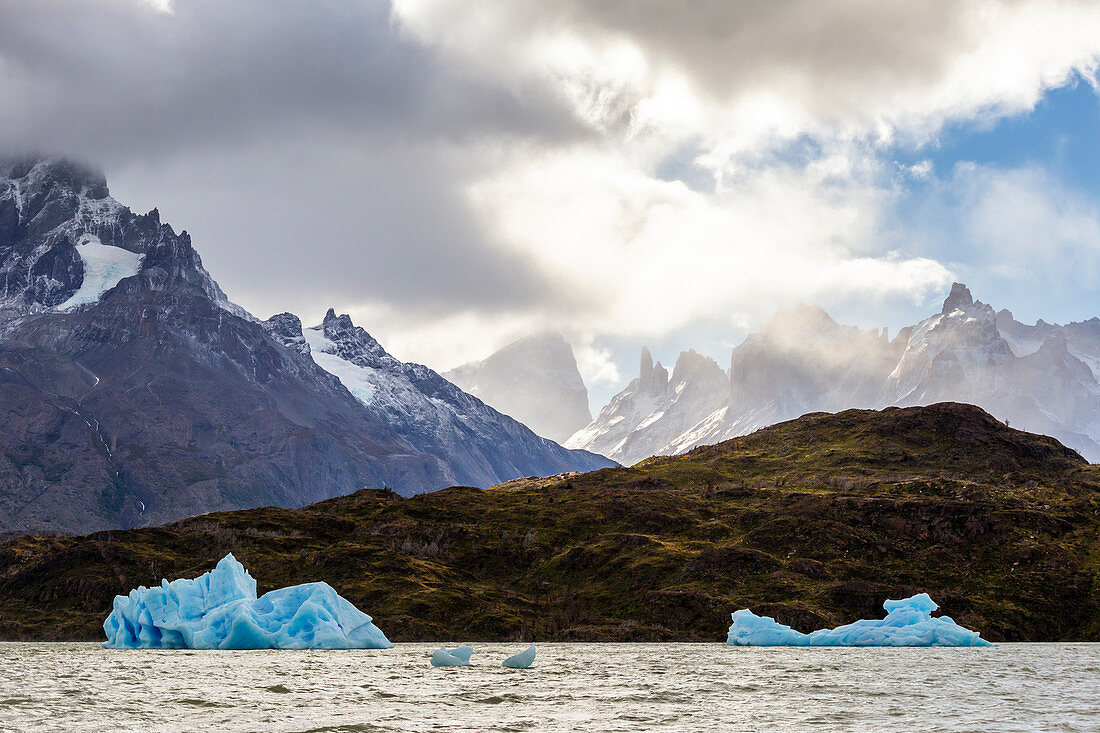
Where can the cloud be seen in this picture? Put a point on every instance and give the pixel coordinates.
(596, 365)
(317, 156)
(764, 69)
(1021, 232)
(645, 257)
(456, 175)
(119, 80)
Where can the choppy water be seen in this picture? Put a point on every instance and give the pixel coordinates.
(591, 687)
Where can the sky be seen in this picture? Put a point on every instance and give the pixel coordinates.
(456, 174)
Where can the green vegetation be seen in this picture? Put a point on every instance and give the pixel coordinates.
(815, 521)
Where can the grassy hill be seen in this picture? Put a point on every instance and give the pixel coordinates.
(815, 521)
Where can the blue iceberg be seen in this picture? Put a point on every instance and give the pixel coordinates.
(457, 657)
(908, 622)
(522, 660)
(220, 610)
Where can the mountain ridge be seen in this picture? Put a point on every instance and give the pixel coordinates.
(152, 396)
(1043, 378)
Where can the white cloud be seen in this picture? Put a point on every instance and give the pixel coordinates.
(1029, 228)
(460, 174)
(163, 6)
(643, 257)
(747, 73)
(595, 364)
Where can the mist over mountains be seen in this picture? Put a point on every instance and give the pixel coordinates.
(535, 380)
(1041, 378)
(132, 391)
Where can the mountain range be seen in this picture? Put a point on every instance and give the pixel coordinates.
(1041, 378)
(132, 391)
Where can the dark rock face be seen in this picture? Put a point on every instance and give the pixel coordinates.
(959, 297)
(161, 399)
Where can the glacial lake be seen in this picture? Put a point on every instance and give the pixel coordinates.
(572, 687)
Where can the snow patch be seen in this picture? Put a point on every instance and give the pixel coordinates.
(104, 268)
(358, 380)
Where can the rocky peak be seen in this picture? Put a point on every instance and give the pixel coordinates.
(49, 207)
(535, 380)
(352, 343)
(651, 379)
(1055, 341)
(287, 330)
(958, 299)
(645, 371)
(691, 365)
(799, 322)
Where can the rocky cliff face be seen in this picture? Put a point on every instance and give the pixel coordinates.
(133, 392)
(1041, 378)
(535, 380)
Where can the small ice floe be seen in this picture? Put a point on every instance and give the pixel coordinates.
(457, 657)
(522, 660)
(908, 622)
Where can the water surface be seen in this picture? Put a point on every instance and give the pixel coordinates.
(590, 687)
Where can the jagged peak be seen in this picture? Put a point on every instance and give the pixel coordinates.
(548, 343)
(695, 365)
(287, 329)
(660, 374)
(958, 299)
(37, 173)
(335, 322)
(1054, 341)
(646, 362)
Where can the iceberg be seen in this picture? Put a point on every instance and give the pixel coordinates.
(522, 660)
(220, 610)
(457, 657)
(908, 622)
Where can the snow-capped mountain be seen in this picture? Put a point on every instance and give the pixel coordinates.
(433, 414)
(1041, 378)
(535, 380)
(133, 392)
(655, 405)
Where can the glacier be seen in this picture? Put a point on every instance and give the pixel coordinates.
(105, 266)
(457, 657)
(220, 610)
(908, 622)
(523, 660)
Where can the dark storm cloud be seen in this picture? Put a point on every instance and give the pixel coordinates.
(339, 136)
(118, 76)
